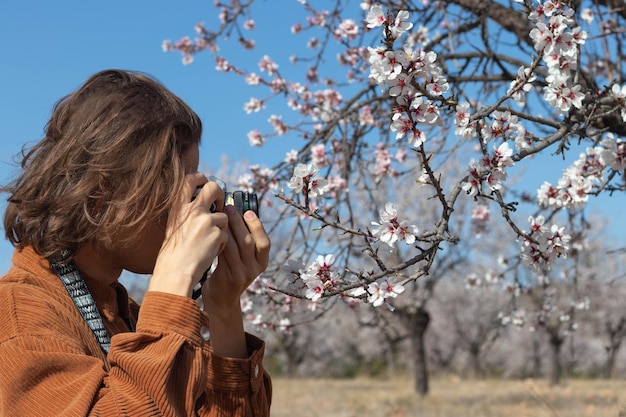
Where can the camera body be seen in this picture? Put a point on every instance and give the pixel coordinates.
(241, 200)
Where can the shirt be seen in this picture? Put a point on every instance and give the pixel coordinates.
(51, 363)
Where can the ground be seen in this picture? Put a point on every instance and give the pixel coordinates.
(449, 397)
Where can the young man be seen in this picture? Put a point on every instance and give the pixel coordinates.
(109, 188)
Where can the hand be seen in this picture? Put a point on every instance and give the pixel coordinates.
(244, 257)
(194, 236)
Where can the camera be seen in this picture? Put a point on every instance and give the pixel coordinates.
(242, 200)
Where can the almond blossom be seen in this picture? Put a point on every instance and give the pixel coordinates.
(547, 244)
(306, 179)
(391, 230)
(379, 293)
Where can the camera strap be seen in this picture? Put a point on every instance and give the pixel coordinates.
(77, 289)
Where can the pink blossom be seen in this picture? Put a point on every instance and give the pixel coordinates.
(256, 138)
(254, 105)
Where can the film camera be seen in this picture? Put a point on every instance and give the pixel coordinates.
(242, 200)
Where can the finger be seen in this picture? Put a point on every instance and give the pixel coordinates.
(261, 239)
(210, 195)
(241, 234)
(193, 183)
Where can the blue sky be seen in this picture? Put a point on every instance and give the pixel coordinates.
(51, 47)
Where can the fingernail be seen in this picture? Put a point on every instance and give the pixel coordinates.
(249, 215)
(229, 209)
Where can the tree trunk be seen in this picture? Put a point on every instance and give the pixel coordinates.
(417, 323)
(555, 348)
(611, 355)
(616, 334)
(476, 368)
(537, 365)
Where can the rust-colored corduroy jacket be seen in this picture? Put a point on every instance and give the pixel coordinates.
(52, 365)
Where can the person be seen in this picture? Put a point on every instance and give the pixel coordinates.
(110, 188)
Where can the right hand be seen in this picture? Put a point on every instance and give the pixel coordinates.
(194, 236)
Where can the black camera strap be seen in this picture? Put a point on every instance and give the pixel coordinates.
(77, 289)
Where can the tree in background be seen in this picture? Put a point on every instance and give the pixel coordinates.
(383, 99)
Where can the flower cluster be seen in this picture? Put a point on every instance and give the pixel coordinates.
(401, 71)
(306, 179)
(547, 244)
(319, 276)
(578, 180)
(378, 293)
(557, 37)
(391, 230)
(489, 170)
(516, 318)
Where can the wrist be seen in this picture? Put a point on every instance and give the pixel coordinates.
(171, 284)
(225, 313)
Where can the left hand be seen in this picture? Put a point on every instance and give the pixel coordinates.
(245, 257)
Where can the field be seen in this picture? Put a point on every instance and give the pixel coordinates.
(449, 397)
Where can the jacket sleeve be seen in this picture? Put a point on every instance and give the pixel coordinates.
(238, 387)
(162, 369)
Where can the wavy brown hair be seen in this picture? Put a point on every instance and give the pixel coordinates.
(110, 163)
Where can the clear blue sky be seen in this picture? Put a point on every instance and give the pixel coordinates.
(51, 47)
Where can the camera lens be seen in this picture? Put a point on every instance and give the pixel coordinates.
(243, 201)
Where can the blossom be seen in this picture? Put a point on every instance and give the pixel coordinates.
(400, 85)
(462, 122)
(291, 156)
(267, 65)
(480, 218)
(404, 126)
(561, 95)
(306, 179)
(547, 244)
(254, 105)
(614, 153)
(375, 17)
(279, 127)
(319, 276)
(521, 85)
(380, 292)
(400, 24)
(347, 29)
(472, 281)
(252, 79)
(472, 184)
(319, 158)
(256, 138)
(574, 187)
(587, 15)
(391, 230)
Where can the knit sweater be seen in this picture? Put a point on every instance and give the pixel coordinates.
(52, 365)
